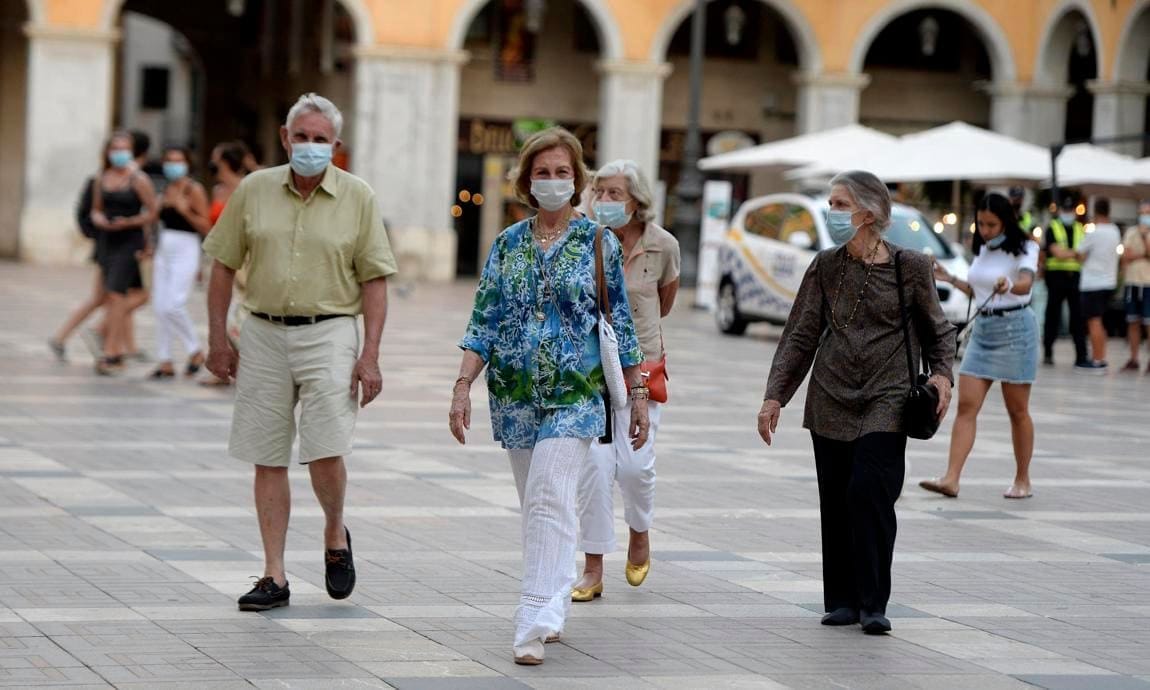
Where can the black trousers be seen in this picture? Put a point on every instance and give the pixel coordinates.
(1062, 286)
(859, 482)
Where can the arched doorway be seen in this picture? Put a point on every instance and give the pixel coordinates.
(13, 87)
(231, 70)
(753, 51)
(531, 65)
(1132, 71)
(925, 68)
(1068, 58)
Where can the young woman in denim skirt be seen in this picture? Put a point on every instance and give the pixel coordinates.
(1003, 344)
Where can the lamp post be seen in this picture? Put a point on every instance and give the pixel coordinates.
(689, 189)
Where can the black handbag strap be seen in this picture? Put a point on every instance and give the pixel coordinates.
(904, 317)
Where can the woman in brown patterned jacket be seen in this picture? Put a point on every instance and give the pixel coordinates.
(846, 323)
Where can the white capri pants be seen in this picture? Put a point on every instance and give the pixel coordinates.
(173, 275)
(635, 472)
(547, 478)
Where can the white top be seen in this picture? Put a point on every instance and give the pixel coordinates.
(1100, 269)
(992, 264)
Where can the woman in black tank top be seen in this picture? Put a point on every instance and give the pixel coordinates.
(184, 220)
(123, 207)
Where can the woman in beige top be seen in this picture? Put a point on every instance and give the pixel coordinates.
(846, 323)
(622, 201)
(1136, 279)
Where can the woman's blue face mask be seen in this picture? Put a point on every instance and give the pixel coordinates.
(840, 226)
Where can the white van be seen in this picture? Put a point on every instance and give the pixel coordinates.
(773, 240)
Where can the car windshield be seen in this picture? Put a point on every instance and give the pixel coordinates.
(911, 230)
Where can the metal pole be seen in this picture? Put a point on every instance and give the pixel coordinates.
(689, 190)
(1055, 152)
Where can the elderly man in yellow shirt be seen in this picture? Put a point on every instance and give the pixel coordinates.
(317, 255)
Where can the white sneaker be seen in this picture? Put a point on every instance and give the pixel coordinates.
(530, 654)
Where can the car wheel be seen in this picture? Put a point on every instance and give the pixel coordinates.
(727, 314)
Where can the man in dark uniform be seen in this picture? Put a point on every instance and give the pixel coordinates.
(1063, 271)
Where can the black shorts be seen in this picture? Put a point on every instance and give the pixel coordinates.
(121, 269)
(1094, 303)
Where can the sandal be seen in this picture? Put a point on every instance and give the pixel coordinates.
(195, 363)
(935, 485)
(108, 366)
(1014, 493)
(160, 374)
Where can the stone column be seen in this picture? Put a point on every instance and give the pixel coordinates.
(631, 112)
(1031, 112)
(69, 115)
(406, 131)
(828, 100)
(1120, 109)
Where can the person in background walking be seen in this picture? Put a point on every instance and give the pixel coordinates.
(183, 222)
(534, 327)
(622, 202)
(846, 328)
(1003, 345)
(1099, 256)
(98, 295)
(123, 207)
(1136, 277)
(1062, 275)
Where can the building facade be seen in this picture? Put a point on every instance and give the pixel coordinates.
(438, 92)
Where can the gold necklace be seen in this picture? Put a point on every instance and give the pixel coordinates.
(862, 290)
(545, 238)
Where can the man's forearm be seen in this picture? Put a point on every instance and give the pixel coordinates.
(374, 315)
(219, 300)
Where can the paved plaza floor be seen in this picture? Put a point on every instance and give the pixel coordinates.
(126, 533)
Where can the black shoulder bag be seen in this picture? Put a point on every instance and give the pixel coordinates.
(920, 415)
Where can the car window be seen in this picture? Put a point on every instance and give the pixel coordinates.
(766, 221)
(799, 221)
(913, 232)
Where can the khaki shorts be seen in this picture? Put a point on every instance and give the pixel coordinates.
(283, 365)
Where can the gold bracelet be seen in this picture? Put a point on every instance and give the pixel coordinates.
(640, 393)
(463, 379)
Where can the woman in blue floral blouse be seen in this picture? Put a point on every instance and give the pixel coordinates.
(534, 328)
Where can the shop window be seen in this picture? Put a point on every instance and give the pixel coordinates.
(154, 88)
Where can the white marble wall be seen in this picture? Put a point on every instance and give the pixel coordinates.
(1120, 109)
(827, 101)
(69, 115)
(631, 99)
(407, 111)
(1034, 113)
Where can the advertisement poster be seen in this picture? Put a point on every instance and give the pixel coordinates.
(716, 219)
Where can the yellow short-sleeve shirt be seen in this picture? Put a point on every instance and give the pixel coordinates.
(304, 257)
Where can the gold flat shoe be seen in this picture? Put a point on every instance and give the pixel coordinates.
(637, 573)
(587, 593)
(552, 638)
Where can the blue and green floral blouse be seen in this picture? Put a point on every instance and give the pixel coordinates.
(544, 373)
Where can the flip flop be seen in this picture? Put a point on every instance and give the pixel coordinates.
(1012, 494)
(933, 486)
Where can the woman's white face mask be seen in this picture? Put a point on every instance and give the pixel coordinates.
(552, 195)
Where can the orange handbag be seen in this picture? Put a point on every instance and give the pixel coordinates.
(656, 375)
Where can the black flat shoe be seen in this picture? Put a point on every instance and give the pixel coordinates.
(843, 616)
(339, 571)
(57, 348)
(265, 595)
(161, 374)
(875, 624)
(195, 363)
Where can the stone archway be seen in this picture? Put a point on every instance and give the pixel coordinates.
(1068, 61)
(13, 89)
(610, 35)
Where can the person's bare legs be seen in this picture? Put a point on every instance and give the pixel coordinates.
(592, 571)
(1134, 337)
(638, 548)
(1017, 399)
(114, 319)
(971, 394)
(329, 481)
(82, 312)
(273, 507)
(136, 299)
(1097, 339)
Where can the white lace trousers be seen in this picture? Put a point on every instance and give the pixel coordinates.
(547, 478)
(635, 472)
(173, 276)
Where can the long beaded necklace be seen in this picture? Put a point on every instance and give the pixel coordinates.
(870, 261)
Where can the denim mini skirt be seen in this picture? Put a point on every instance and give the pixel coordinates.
(1003, 348)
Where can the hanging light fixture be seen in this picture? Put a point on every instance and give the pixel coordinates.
(928, 35)
(535, 9)
(734, 20)
(1082, 42)
(236, 8)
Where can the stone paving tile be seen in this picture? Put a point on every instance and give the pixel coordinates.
(126, 533)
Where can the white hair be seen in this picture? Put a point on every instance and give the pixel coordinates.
(315, 103)
(869, 192)
(637, 186)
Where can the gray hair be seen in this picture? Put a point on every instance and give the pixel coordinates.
(315, 103)
(637, 186)
(869, 192)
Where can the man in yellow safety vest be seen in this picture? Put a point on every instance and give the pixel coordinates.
(1025, 218)
(1063, 272)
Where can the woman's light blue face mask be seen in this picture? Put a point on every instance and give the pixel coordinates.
(840, 226)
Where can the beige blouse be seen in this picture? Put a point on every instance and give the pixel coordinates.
(859, 381)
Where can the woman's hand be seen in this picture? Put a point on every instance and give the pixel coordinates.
(640, 424)
(459, 419)
(1002, 285)
(769, 419)
(941, 383)
(940, 273)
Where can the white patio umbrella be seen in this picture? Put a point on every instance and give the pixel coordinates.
(1142, 171)
(956, 151)
(818, 148)
(1098, 170)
